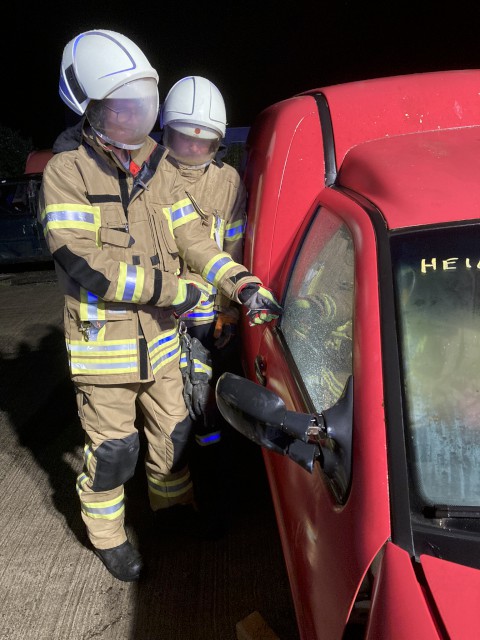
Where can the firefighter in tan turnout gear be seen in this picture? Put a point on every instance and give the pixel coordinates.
(116, 221)
(193, 121)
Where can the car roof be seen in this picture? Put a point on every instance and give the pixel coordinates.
(418, 178)
(385, 107)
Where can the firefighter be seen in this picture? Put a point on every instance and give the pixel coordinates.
(193, 122)
(116, 221)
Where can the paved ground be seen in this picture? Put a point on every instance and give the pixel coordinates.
(52, 587)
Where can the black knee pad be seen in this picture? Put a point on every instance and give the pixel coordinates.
(116, 461)
(182, 440)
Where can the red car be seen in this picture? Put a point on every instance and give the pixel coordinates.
(364, 218)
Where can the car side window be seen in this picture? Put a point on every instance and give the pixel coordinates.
(318, 317)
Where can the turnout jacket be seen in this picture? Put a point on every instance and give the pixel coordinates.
(219, 193)
(117, 237)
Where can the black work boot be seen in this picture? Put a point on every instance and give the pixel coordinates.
(124, 562)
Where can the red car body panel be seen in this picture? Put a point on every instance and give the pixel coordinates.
(417, 160)
(399, 607)
(456, 591)
(398, 142)
(284, 180)
(387, 107)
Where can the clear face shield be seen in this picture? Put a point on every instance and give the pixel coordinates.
(191, 144)
(127, 115)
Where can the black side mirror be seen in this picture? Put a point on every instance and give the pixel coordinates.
(261, 416)
(254, 411)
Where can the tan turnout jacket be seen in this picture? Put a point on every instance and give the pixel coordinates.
(221, 195)
(116, 237)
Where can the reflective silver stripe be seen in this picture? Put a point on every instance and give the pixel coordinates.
(170, 488)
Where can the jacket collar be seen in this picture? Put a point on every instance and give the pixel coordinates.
(138, 156)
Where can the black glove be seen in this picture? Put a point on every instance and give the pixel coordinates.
(261, 303)
(196, 368)
(189, 295)
(200, 394)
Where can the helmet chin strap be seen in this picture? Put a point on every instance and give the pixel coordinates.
(118, 145)
(184, 165)
(122, 154)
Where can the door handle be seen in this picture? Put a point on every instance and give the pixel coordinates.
(260, 368)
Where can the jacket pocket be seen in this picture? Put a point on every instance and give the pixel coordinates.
(167, 247)
(113, 234)
(115, 237)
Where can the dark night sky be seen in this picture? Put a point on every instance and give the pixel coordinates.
(256, 53)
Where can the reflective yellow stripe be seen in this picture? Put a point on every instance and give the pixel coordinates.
(170, 488)
(94, 366)
(234, 231)
(182, 212)
(164, 350)
(108, 510)
(71, 216)
(130, 283)
(216, 268)
(87, 455)
(107, 348)
(166, 213)
(203, 310)
(201, 367)
(81, 481)
(91, 307)
(109, 357)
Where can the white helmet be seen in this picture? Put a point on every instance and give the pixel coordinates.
(105, 75)
(193, 110)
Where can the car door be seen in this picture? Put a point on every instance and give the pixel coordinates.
(329, 332)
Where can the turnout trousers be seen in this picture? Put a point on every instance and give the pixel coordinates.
(107, 414)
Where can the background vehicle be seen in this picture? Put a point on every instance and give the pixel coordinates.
(21, 238)
(364, 219)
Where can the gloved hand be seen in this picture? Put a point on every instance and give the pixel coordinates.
(196, 368)
(225, 329)
(189, 295)
(261, 303)
(196, 397)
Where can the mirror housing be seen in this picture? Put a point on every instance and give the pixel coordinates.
(261, 415)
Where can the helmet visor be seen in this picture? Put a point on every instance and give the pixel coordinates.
(127, 115)
(191, 144)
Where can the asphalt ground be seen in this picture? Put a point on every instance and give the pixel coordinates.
(52, 586)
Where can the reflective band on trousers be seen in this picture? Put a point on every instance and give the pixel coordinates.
(108, 510)
(170, 488)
